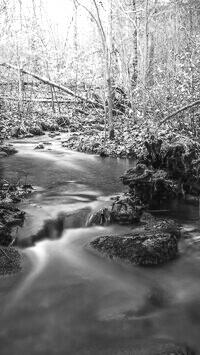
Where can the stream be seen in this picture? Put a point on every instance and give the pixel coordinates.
(68, 300)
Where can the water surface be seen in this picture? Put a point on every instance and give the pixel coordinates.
(70, 301)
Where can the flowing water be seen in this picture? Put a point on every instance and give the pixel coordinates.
(70, 301)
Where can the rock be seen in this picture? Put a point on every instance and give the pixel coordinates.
(63, 121)
(11, 216)
(100, 217)
(28, 135)
(165, 225)
(103, 153)
(8, 149)
(138, 174)
(36, 130)
(54, 134)
(15, 132)
(45, 125)
(10, 260)
(18, 131)
(146, 248)
(150, 186)
(3, 154)
(125, 210)
(39, 146)
(74, 127)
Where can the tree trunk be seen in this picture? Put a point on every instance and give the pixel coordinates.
(150, 78)
(109, 70)
(146, 56)
(134, 76)
(193, 125)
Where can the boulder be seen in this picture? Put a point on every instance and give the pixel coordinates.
(63, 120)
(39, 146)
(8, 149)
(36, 130)
(146, 248)
(150, 186)
(165, 225)
(18, 131)
(100, 217)
(11, 216)
(125, 211)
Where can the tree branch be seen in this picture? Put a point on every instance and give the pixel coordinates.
(178, 111)
(98, 22)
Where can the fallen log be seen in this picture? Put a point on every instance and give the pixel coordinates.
(38, 100)
(53, 84)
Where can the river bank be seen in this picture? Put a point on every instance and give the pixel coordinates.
(86, 131)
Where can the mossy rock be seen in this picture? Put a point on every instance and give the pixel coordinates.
(125, 210)
(100, 217)
(146, 248)
(165, 225)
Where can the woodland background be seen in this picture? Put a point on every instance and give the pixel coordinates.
(140, 58)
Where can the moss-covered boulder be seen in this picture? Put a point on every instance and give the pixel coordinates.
(100, 217)
(124, 210)
(165, 225)
(148, 186)
(146, 248)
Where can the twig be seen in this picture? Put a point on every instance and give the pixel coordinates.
(3, 252)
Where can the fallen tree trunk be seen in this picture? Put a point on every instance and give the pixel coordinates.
(178, 111)
(37, 100)
(53, 84)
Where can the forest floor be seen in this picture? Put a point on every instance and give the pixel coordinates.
(85, 130)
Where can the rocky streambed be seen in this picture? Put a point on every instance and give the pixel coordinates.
(165, 171)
